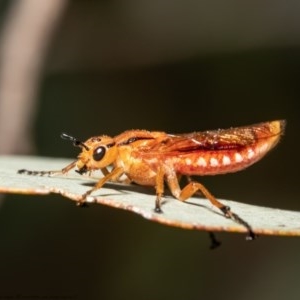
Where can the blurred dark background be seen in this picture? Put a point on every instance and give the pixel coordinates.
(109, 66)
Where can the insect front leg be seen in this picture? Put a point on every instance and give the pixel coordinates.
(113, 176)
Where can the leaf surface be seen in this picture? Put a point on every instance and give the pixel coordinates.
(196, 213)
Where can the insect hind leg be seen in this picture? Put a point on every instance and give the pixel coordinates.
(194, 187)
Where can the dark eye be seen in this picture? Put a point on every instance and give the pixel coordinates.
(99, 153)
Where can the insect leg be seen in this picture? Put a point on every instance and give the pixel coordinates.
(214, 242)
(192, 187)
(126, 180)
(49, 173)
(190, 179)
(104, 171)
(113, 175)
(159, 189)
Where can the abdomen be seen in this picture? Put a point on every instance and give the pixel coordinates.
(212, 162)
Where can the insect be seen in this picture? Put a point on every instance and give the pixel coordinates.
(153, 158)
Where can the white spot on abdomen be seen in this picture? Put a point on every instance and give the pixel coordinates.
(250, 153)
(201, 162)
(226, 160)
(188, 161)
(213, 162)
(238, 157)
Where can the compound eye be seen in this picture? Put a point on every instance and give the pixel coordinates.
(99, 153)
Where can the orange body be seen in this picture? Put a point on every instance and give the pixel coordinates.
(140, 154)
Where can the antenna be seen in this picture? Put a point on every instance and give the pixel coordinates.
(75, 141)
